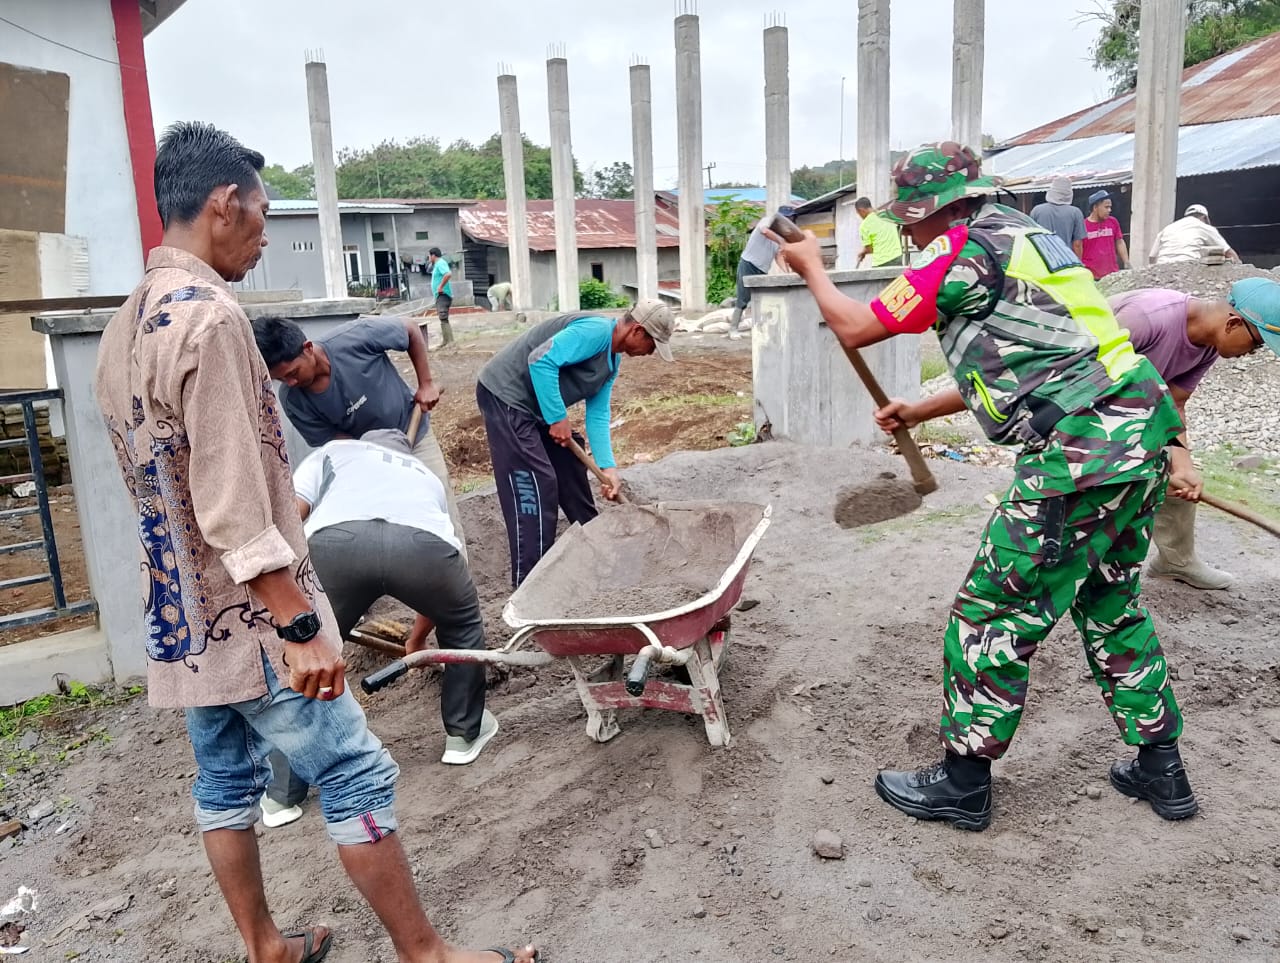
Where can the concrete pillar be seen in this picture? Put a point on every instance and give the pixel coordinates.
(513, 173)
(1161, 37)
(693, 233)
(642, 173)
(335, 275)
(777, 118)
(873, 100)
(562, 188)
(966, 72)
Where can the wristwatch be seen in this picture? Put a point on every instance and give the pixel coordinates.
(303, 628)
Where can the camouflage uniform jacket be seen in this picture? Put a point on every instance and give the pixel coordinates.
(1037, 354)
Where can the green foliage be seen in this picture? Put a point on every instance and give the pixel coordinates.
(614, 182)
(729, 224)
(743, 433)
(298, 184)
(1214, 27)
(594, 295)
(810, 182)
(422, 168)
(931, 368)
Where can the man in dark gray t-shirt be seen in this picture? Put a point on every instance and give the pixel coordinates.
(1058, 215)
(343, 385)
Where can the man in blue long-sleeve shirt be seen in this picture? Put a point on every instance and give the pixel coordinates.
(524, 392)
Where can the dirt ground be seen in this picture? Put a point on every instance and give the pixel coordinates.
(658, 847)
(66, 529)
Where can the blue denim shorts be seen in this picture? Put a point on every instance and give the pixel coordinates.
(328, 743)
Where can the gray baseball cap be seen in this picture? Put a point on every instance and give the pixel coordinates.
(656, 318)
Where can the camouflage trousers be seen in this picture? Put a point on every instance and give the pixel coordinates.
(1038, 559)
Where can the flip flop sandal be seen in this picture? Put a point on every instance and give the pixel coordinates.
(310, 955)
(508, 956)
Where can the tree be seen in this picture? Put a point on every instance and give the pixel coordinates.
(296, 185)
(1214, 27)
(729, 224)
(614, 182)
(422, 168)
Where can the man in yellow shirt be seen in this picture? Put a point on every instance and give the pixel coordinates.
(879, 237)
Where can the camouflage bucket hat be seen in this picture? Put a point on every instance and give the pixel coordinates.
(931, 177)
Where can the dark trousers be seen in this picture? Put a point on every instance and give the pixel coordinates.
(443, 303)
(535, 477)
(745, 270)
(360, 562)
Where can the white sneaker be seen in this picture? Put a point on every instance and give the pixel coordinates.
(458, 751)
(275, 815)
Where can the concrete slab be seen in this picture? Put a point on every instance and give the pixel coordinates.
(28, 669)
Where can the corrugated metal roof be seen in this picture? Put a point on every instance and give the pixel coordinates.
(344, 207)
(413, 201)
(1108, 158)
(1241, 84)
(600, 224)
(712, 196)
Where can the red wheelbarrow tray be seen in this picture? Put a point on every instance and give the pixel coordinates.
(636, 547)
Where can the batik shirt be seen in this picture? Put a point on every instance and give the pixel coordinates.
(196, 430)
(1036, 352)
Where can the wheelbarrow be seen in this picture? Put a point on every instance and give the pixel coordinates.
(656, 584)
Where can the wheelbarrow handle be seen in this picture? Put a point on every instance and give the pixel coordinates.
(384, 676)
(639, 674)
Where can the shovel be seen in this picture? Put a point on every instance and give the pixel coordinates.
(1239, 511)
(922, 479)
(595, 469)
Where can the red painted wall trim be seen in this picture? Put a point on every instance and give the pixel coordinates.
(137, 117)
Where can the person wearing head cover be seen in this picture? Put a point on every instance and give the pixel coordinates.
(1182, 336)
(377, 524)
(1191, 238)
(758, 256)
(1059, 215)
(1104, 251)
(1041, 362)
(524, 392)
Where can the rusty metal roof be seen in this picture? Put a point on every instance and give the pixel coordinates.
(1234, 86)
(600, 224)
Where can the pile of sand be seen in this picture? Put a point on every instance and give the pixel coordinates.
(1201, 280)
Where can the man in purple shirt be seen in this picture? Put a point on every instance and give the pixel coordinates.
(1182, 337)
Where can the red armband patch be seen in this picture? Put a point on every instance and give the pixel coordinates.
(909, 305)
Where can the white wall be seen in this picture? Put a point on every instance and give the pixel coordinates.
(101, 205)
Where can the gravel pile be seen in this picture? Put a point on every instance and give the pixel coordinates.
(1202, 280)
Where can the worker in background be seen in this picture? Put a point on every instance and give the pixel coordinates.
(442, 291)
(880, 238)
(499, 296)
(1040, 361)
(1191, 238)
(758, 256)
(524, 392)
(1182, 337)
(1059, 215)
(1104, 251)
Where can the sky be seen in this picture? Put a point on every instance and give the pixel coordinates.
(399, 71)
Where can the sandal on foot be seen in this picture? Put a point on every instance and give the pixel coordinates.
(508, 956)
(308, 937)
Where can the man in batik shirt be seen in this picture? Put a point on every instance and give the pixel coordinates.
(1041, 362)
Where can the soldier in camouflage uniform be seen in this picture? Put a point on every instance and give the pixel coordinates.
(1040, 360)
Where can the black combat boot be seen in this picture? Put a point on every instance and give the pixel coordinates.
(956, 790)
(1158, 777)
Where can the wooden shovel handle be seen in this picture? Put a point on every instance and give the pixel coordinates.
(1239, 511)
(594, 468)
(921, 477)
(415, 419)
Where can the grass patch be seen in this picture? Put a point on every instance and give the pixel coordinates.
(931, 368)
(937, 432)
(473, 484)
(644, 406)
(1251, 486)
(920, 522)
(43, 709)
